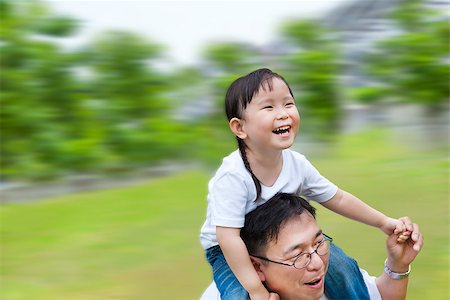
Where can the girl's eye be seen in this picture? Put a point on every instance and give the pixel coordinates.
(290, 104)
(267, 107)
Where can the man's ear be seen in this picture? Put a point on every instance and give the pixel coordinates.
(258, 267)
(237, 127)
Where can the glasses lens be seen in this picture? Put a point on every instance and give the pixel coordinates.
(302, 261)
(323, 248)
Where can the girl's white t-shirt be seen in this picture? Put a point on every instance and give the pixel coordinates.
(232, 192)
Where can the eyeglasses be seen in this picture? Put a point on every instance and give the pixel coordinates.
(303, 259)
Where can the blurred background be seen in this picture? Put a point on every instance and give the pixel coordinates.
(112, 122)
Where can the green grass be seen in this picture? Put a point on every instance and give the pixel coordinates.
(141, 242)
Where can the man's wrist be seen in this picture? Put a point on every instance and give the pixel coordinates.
(396, 274)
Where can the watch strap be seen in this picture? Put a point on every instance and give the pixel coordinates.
(395, 275)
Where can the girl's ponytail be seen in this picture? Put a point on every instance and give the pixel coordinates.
(242, 146)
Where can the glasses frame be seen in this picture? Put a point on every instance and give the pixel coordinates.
(326, 238)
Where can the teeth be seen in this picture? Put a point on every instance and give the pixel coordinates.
(282, 129)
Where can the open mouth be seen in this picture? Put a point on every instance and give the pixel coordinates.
(315, 282)
(282, 130)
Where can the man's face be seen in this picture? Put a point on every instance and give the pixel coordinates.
(300, 234)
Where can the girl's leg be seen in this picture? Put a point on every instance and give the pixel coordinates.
(343, 279)
(227, 284)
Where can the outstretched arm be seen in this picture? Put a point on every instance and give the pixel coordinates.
(399, 257)
(352, 207)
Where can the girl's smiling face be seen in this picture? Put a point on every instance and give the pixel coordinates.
(271, 120)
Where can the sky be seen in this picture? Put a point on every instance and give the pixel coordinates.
(185, 27)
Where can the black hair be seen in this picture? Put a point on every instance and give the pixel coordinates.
(239, 95)
(263, 224)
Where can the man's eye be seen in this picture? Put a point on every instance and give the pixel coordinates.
(319, 242)
(295, 256)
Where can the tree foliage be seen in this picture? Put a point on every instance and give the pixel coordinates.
(313, 69)
(412, 66)
(37, 112)
(103, 107)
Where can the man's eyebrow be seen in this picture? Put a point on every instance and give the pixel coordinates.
(319, 232)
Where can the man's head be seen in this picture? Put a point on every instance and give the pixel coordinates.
(280, 230)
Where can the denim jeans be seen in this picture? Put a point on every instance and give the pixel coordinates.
(228, 285)
(343, 279)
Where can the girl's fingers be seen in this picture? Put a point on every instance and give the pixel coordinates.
(407, 223)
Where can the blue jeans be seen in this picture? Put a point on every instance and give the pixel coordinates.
(343, 279)
(228, 285)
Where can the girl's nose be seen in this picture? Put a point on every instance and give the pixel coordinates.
(282, 114)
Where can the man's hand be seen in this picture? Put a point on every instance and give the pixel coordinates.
(401, 252)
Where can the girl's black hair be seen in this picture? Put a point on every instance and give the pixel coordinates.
(239, 95)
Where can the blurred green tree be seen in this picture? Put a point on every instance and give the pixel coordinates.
(129, 100)
(313, 68)
(36, 112)
(103, 107)
(412, 66)
(225, 61)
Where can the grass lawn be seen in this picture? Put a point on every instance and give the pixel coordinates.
(141, 242)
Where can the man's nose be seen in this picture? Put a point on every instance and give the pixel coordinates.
(316, 262)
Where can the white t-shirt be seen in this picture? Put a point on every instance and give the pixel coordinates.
(231, 192)
(212, 293)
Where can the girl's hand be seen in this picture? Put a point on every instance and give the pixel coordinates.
(412, 231)
(274, 296)
(390, 226)
(402, 227)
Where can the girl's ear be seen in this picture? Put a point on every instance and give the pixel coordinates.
(237, 127)
(257, 265)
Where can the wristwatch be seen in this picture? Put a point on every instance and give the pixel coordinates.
(395, 275)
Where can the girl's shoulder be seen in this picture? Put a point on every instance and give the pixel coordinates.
(231, 174)
(232, 164)
(293, 155)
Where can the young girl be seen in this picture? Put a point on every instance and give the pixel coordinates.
(262, 114)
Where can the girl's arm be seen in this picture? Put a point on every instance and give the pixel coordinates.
(238, 259)
(352, 207)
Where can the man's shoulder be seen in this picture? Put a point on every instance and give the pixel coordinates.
(211, 293)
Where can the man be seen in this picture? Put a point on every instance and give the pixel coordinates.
(290, 253)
